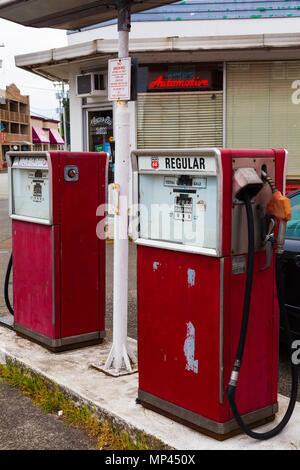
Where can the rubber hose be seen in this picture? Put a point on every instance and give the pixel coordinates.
(6, 283)
(231, 389)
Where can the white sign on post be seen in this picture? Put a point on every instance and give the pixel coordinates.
(119, 77)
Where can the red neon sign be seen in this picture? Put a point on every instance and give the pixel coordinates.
(192, 83)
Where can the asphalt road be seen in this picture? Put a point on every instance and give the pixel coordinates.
(23, 426)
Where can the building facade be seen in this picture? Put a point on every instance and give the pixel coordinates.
(21, 131)
(237, 84)
(15, 133)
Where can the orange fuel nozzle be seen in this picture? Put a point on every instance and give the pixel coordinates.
(280, 206)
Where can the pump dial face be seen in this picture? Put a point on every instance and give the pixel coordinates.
(183, 207)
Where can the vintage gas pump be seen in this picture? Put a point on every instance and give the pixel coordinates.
(58, 260)
(204, 243)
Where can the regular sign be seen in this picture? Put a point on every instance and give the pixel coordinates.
(119, 76)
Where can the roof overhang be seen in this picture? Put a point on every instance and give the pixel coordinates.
(55, 64)
(67, 14)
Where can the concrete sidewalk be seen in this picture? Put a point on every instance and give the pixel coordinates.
(115, 397)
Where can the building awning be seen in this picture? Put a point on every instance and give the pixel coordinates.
(54, 64)
(39, 136)
(55, 137)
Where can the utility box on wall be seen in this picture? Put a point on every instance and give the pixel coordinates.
(58, 259)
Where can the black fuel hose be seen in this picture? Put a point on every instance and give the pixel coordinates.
(6, 283)
(231, 389)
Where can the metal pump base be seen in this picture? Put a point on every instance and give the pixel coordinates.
(219, 431)
(60, 344)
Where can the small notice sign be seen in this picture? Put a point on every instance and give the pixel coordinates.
(239, 264)
(119, 77)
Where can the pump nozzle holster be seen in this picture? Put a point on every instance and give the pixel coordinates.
(246, 179)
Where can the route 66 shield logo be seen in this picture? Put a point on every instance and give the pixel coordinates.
(154, 162)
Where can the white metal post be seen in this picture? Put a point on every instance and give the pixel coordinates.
(120, 354)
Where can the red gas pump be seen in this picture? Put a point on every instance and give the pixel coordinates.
(58, 260)
(202, 234)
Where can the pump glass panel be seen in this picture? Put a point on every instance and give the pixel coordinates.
(30, 187)
(179, 208)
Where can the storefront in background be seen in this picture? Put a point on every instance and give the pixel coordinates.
(188, 106)
(180, 105)
(263, 108)
(235, 104)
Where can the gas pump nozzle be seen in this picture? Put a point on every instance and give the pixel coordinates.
(280, 207)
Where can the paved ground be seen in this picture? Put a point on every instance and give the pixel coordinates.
(25, 427)
(79, 372)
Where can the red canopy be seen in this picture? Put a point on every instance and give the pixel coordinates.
(55, 137)
(39, 136)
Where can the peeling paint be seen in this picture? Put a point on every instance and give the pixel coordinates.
(155, 265)
(189, 349)
(191, 277)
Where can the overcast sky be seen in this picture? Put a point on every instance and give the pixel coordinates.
(17, 40)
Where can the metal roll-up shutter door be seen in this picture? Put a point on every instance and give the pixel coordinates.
(180, 120)
(263, 108)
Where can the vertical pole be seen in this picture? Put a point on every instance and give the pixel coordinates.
(65, 128)
(64, 117)
(120, 354)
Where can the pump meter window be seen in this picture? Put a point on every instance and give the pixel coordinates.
(180, 207)
(30, 187)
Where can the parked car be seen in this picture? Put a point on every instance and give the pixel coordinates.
(291, 268)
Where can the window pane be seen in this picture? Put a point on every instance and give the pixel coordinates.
(100, 130)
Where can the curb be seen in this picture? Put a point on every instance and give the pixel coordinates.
(101, 413)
